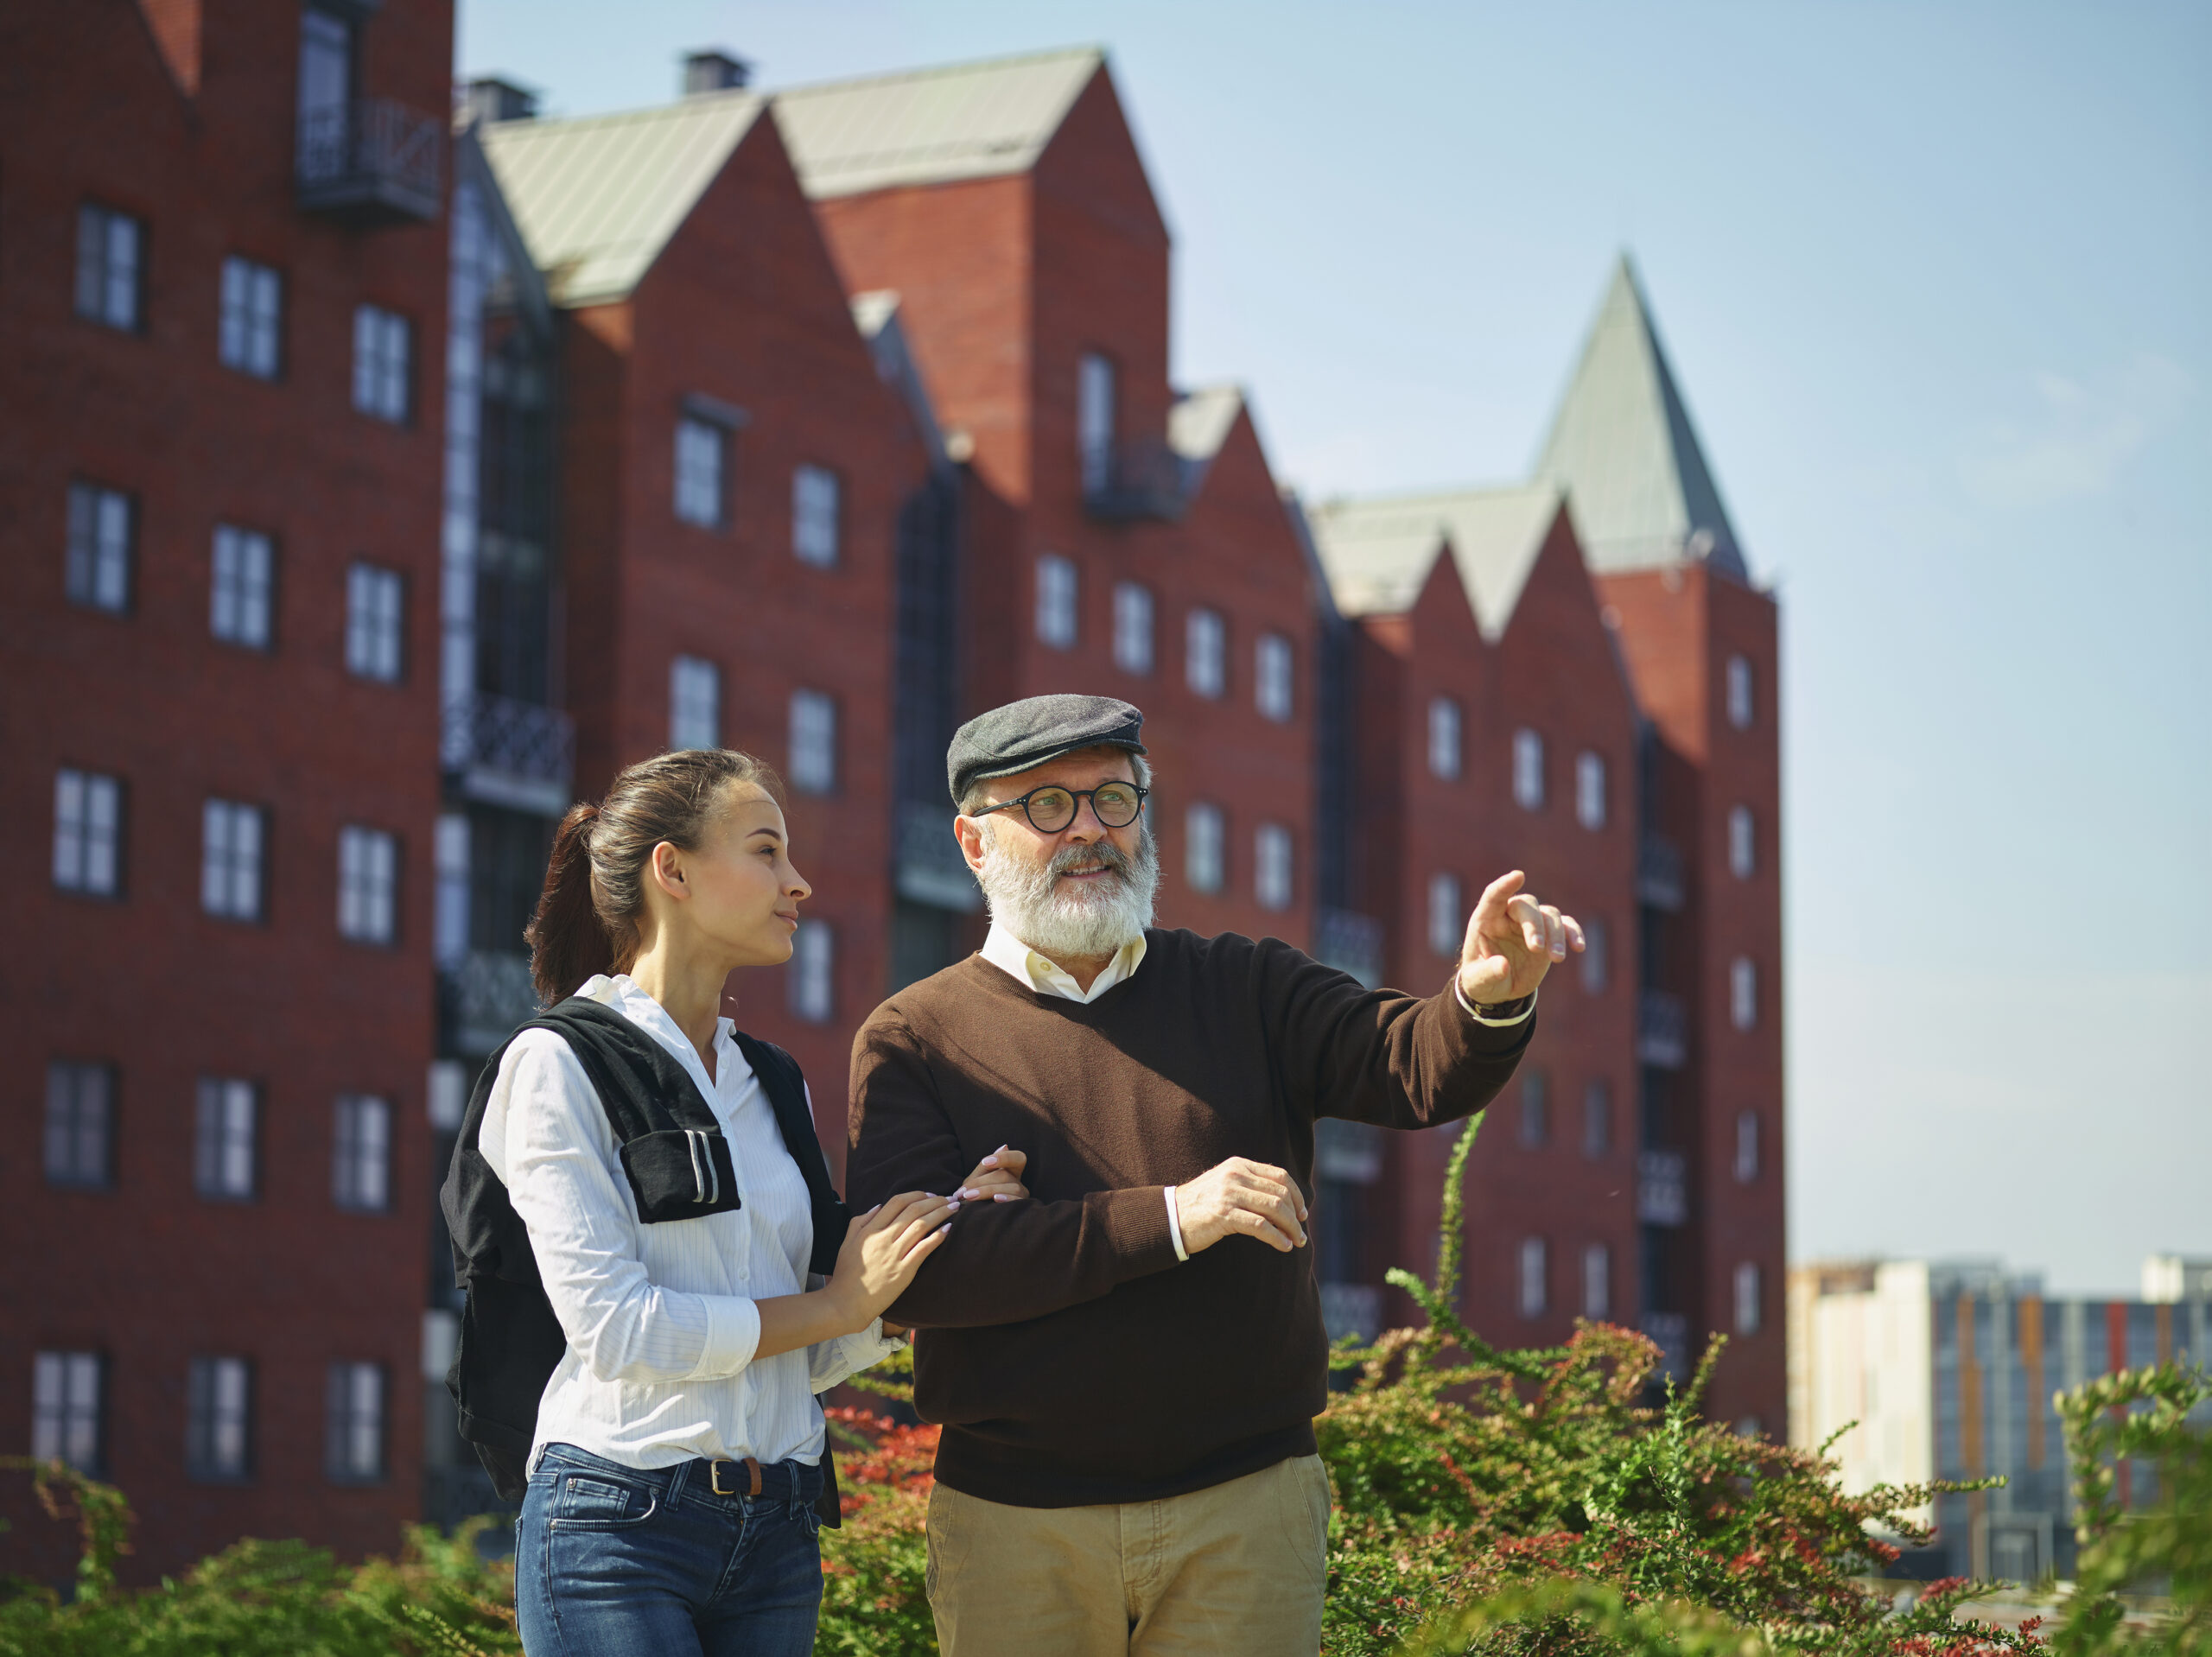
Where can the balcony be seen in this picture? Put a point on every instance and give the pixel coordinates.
(1661, 1188)
(482, 997)
(370, 162)
(1142, 479)
(929, 868)
(1351, 943)
(1662, 1031)
(1659, 873)
(509, 753)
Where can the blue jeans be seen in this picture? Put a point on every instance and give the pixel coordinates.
(611, 1561)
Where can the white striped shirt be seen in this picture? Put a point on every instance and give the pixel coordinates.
(661, 1321)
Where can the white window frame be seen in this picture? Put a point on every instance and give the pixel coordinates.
(77, 1147)
(702, 479)
(1532, 1277)
(1096, 413)
(695, 703)
(1597, 1119)
(218, 1420)
(813, 742)
(383, 364)
(68, 1409)
(241, 592)
(813, 981)
(1742, 843)
(250, 332)
(376, 622)
(1590, 789)
(1747, 1161)
(818, 515)
(1206, 848)
(1528, 770)
(1596, 1282)
(101, 548)
(368, 884)
(1743, 993)
(111, 286)
(1448, 915)
(1597, 968)
(226, 1139)
(1447, 740)
(1273, 857)
(1274, 671)
(1205, 653)
(361, 1152)
(87, 833)
(353, 1423)
(1133, 612)
(1740, 692)
(1057, 602)
(1748, 1297)
(233, 860)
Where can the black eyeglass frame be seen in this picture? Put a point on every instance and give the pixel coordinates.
(1075, 809)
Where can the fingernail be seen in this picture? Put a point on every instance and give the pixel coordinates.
(1001, 1196)
(943, 1229)
(1001, 1148)
(990, 1161)
(953, 1203)
(967, 1195)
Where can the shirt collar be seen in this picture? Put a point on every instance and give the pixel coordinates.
(1011, 956)
(621, 993)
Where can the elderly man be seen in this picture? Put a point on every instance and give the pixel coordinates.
(1127, 1364)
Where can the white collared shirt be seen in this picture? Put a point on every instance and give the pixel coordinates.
(661, 1319)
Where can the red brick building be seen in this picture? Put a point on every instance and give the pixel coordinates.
(222, 292)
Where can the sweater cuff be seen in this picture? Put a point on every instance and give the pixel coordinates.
(1527, 1005)
(1137, 1232)
(733, 1336)
(1175, 1226)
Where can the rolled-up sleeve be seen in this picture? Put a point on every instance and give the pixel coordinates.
(829, 1363)
(547, 1138)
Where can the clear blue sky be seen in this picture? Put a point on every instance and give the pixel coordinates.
(1937, 281)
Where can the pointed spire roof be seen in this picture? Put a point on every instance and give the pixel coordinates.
(1623, 447)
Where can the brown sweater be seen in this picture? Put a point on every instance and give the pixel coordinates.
(1069, 1355)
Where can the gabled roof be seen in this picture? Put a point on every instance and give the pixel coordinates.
(1622, 447)
(1377, 553)
(597, 198)
(932, 126)
(1198, 425)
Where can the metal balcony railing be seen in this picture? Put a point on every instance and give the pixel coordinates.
(1661, 1030)
(1659, 873)
(928, 866)
(1351, 942)
(370, 159)
(482, 997)
(1661, 1188)
(1144, 478)
(509, 752)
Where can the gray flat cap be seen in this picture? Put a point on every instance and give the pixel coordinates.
(1028, 733)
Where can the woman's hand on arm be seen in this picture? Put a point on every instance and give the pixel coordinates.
(997, 1177)
(883, 1250)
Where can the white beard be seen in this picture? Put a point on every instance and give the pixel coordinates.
(1091, 918)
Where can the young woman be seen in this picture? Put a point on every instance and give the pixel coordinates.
(678, 1449)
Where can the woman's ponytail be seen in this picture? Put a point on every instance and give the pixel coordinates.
(586, 919)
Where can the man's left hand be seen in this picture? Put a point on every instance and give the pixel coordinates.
(1512, 941)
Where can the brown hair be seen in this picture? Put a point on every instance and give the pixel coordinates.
(586, 919)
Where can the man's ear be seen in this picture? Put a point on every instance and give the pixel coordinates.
(970, 832)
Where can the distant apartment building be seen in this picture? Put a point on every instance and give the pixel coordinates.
(1946, 1370)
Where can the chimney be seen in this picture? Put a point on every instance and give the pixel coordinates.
(714, 72)
(488, 98)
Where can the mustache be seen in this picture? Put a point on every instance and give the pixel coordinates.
(1081, 859)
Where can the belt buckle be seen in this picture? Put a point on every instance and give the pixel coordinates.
(715, 1475)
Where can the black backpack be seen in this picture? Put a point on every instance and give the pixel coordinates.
(678, 1165)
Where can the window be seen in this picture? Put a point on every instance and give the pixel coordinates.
(1132, 627)
(1535, 1109)
(253, 325)
(1534, 1296)
(360, 1157)
(1447, 916)
(1597, 957)
(1204, 848)
(368, 882)
(1055, 602)
(353, 1423)
(111, 254)
(374, 615)
(80, 1125)
(702, 457)
(695, 703)
(813, 980)
(1747, 1146)
(814, 742)
(238, 609)
(1205, 653)
(1743, 993)
(1271, 866)
(87, 833)
(1590, 789)
(326, 92)
(1094, 421)
(1596, 1282)
(1738, 692)
(224, 1159)
(1747, 1297)
(815, 515)
(1743, 845)
(1271, 677)
(449, 901)
(219, 1403)
(231, 838)
(1444, 759)
(66, 1389)
(1528, 770)
(103, 526)
(383, 343)
(1598, 1120)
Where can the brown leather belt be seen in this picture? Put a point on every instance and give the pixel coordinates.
(752, 1477)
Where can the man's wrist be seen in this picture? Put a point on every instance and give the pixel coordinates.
(1494, 1013)
(1175, 1226)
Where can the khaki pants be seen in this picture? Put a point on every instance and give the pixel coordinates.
(1236, 1570)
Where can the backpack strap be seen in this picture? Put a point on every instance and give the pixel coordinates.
(784, 1082)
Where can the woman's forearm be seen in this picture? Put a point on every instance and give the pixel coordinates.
(790, 1322)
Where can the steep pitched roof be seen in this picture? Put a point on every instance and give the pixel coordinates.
(1198, 425)
(932, 126)
(597, 198)
(1377, 553)
(1622, 445)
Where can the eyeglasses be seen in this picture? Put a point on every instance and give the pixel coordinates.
(1052, 808)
